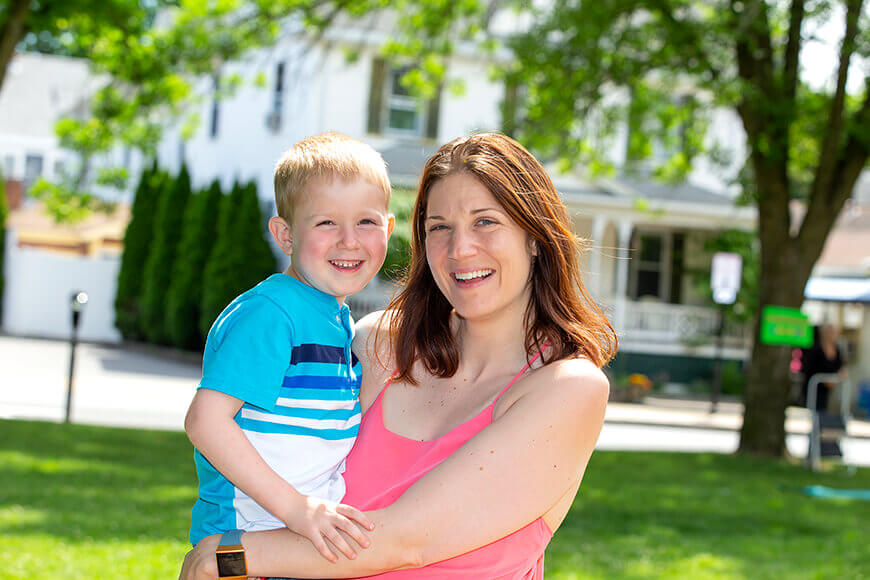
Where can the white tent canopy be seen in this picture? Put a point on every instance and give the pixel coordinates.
(838, 289)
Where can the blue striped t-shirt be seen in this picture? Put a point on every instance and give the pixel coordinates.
(283, 348)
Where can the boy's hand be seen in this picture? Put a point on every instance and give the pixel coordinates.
(317, 519)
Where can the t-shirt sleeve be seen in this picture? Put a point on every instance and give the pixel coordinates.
(249, 352)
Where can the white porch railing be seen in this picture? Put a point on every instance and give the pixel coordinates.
(677, 323)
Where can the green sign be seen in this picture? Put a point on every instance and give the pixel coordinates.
(786, 327)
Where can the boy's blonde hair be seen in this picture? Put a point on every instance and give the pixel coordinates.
(326, 155)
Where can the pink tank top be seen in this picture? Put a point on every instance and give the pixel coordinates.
(382, 465)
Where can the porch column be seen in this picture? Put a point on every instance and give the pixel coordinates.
(593, 263)
(621, 290)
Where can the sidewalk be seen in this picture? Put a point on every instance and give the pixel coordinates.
(140, 386)
(660, 411)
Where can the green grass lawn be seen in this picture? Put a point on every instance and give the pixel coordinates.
(92, 502)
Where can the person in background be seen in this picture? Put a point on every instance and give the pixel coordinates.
(823, 357)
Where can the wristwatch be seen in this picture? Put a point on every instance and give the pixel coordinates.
(230, 555)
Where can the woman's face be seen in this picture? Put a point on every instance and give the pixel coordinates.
(479, 257)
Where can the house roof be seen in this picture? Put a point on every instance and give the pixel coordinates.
(681, 192)
(97, 233)
(40, 88)
(847, 249)
(405, 163)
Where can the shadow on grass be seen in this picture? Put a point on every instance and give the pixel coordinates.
(82, 483)
(642, 515)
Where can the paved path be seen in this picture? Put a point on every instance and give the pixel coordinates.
(146, 388)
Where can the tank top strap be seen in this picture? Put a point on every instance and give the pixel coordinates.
(522, 370)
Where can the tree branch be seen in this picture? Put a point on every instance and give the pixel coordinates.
(752, 39)
(792, 49)
(848, 168)
(830, 149)
(689, 37)
(11, 32)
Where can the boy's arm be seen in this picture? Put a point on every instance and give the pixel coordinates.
(213, 431)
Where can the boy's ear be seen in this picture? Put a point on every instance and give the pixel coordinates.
(280, 231)
(391, 223)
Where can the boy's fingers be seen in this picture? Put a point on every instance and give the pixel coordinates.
(323, 548)
(352, 530)
(338, 541)
(356, 515)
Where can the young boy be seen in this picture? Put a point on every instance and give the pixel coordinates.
(277, 409)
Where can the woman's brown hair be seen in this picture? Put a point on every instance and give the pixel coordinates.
(560, 311)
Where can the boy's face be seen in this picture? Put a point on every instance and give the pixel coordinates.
(338, 235)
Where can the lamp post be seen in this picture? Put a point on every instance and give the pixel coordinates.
(77, 304)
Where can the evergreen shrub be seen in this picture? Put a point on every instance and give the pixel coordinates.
(241, 257)
(184, 297)
(167, 230)
(137, 246)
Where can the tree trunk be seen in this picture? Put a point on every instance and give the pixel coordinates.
(12, 31)
(767, 384)
(786, 266)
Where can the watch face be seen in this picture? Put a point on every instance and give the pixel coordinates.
(231, 564)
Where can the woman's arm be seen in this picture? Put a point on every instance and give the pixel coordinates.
(475, 497)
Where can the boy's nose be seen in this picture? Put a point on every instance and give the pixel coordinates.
(348, 239)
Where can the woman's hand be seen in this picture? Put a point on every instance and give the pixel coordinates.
(200, 563)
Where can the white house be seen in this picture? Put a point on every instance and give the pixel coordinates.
(647, 238)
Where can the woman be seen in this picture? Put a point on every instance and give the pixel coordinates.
(823, 357)
(482, 389)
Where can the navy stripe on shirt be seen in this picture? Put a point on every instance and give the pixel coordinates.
(319, 353)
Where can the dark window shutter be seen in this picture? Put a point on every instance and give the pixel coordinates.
(677, 256)
(433, 113)
(376, 95)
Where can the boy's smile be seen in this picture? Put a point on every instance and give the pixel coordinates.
(338, 235)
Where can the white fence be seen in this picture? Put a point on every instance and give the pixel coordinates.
(657, 321)
(39, 286)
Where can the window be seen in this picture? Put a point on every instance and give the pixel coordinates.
(215, 107)
(32, 170)
(648, 261)
(393, 110)
(273, 119)
(404, 111)
(656, 269)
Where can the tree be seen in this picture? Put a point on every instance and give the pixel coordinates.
(166, 234)
(184, 297)
(147, 57)
(137, 244)
(743, 55)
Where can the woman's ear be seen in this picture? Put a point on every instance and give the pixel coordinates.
(281, 233)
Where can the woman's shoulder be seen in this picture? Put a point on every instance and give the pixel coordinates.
(571, 385)
(578, 378)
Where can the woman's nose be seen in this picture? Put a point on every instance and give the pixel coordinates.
(462, 245)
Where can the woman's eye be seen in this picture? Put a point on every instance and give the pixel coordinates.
(437, 227)
(485, 222)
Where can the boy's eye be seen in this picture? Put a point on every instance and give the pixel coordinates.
(325, 223)
(368, 222)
